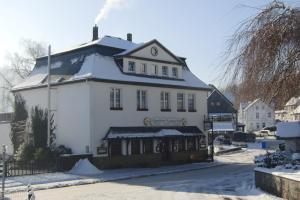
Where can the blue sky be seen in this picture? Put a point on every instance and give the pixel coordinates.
(195, 29)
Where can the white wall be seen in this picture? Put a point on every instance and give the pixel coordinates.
(4, 137)
(103, 117)
(70, 105)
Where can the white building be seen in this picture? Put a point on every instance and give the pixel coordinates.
(291, 111)
(113, 97)
(5, 119)
(256, 115)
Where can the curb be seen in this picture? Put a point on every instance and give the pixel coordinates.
(99, 180)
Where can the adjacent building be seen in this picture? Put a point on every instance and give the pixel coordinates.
(291, 111)
(222, 112)
(5, 119)
(112, 97)
(256, 115)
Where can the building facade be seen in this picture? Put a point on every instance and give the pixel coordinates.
(222, 112)
(291, 111)
(113, 97)
(256, 115)
(5, 128)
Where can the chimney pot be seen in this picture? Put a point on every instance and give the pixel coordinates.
(95, 32)
(129, 37)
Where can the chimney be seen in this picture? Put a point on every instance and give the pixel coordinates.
(129, 37)
(95, 32)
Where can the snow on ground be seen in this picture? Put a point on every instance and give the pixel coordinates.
(84, 167)
(282, 172)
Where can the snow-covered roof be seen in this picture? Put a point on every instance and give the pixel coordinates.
(293, 101)
(288, 129)
(97, 62)
(280, 111)
(297, 110)
(251, 104)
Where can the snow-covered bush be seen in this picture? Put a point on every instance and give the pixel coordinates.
(278, 159)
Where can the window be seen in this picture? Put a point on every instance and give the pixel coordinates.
(155, 69)
(257, 115)
(165, 71)
(165, 101)
(115, 99)
(131, 66)
(218, 103)
(256, 107)
(192, 102)
(181, 145)
(144, 68)
(180, 102)
(135, 147)
(263, 107)
(257, 125)
(175, 72)
(212, 103)
(269, 115)
(148, 146)
(141, 99)
(263, 124)
(115, 147)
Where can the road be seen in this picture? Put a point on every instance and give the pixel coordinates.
(233, 181)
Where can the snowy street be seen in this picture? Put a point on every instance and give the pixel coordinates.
(231, 181)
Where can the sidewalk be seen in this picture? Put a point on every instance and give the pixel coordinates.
(57, 180)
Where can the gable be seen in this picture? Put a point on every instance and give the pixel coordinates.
(147, 51)
(217, 103)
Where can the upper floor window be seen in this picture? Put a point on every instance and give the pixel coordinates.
(115, 99)
(256, 107)
(165, 71)
(175, 72)
(144, 68)
(257, 125)
(257, 115)
(269, 114)
(155, 69)
(218, 103)
(191, 102)
(141, 100)
(131, 66)
(263, 124)
(165, 101)
(180, 102)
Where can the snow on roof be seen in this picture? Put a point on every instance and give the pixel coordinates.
(293, 101)
(104, 67)
(280, 111)
(288, 129)
(251, 104)
(223, 126)
(297, 110)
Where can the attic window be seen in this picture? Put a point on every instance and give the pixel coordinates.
(165, 70)
(131, 66)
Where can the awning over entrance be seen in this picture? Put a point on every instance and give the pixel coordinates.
(152, 132)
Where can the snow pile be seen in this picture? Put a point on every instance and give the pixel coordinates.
(84, 167)
(288, 129)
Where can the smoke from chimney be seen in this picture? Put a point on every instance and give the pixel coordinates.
(108, 6)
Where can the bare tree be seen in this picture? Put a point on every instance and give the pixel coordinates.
(18, 67)
(264, 55)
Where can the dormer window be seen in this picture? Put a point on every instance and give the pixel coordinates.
(165, 71)
(144, 68)
(174, 72)
(131, 66)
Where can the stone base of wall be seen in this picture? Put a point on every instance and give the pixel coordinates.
(149, 160)
(278, 186)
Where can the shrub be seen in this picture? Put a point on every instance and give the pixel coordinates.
(44, 154)
(61, 149)
(25, 152)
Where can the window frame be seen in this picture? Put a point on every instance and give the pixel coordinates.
(129, 66)
(193, 109)
(176, 70)
(156, 70)
(144, 68)
(165, 101)
(115, 99)
(142, 103)
(181, 102)
(165, 68)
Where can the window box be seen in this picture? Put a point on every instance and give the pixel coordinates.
(142, 109)
(165, 110)
(116, 108)
(181, 110)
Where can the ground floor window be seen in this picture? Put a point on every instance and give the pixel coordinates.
(135, 147)
(115, 147)
(148, 146)
(191, 144)
(181, 144)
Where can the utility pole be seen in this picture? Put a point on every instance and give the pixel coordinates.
(49, 96)
(3, 171)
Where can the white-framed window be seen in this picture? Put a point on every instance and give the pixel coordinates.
(269, 114)
(175, 72)
(165, 70)
(144, 68)
(115, 99)
(131, 66)
(141, 97)
(165, 101)
(263, 125)
(256, 107)
(191, 102)
(257, 125)
(156, 70)
(257, 115)
(180, 102)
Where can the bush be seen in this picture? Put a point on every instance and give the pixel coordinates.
(25, 152)
(44, 154)
(63, 150)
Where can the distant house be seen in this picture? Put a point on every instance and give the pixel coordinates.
(221, 111)
(5, 119)
(256, 115)
(291, 111)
